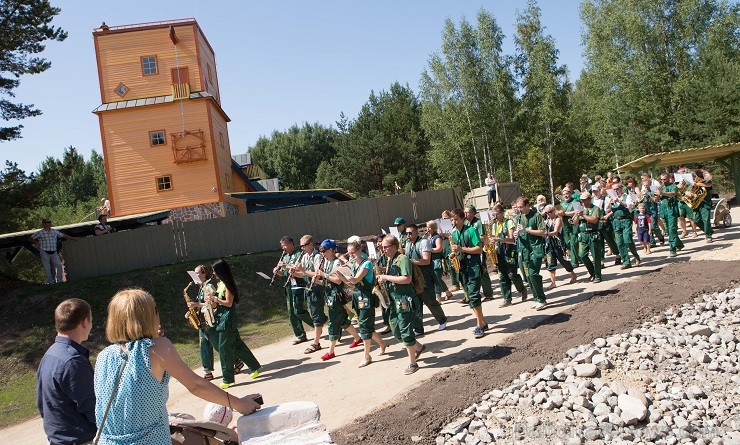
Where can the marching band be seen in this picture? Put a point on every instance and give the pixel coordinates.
(403, 272)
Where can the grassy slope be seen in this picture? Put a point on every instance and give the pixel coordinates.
(27, 320)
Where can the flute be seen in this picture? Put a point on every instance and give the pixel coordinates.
(274, 272)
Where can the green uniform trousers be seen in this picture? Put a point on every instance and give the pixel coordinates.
(671, 225)
(485, 278)
(439, 283)
(297, 312)
(428, 298)
(208, 340)
(607, 232)
(401, 316)
(625, 240)
(595, 247)
(470, 275)
(532, 262)
(507, 274)
(364, 305)
(575, 260)
(230, 348)
(703, 216)
(338, 317)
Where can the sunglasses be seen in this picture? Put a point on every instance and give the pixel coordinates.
(304, 245)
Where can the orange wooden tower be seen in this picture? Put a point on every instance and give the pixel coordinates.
(165, 137)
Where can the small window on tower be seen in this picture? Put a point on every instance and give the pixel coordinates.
(164, 183)
(149, 65)
(121, 89)
(157, 138)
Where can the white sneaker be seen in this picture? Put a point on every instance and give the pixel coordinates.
(535, 305)
(442, 326)
(540, 306)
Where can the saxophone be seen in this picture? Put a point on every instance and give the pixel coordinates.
(380, 289)
(192, 314)
(209, 315)
(490, 249)
(454, 258)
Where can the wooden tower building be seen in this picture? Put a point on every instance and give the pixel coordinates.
(164, 133)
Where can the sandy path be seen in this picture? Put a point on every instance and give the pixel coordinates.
(344, 392)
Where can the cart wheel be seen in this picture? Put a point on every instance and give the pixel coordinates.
(727, 220)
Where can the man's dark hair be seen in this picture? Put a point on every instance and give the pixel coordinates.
(458, 212)
(287, 240)
(524, 200)
(70, 313)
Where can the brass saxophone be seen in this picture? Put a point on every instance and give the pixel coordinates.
(490, 249)
(454, 258)
(380, 289)
(209, 315)
(192, 314)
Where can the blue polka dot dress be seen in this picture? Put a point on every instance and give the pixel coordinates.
(138, 413)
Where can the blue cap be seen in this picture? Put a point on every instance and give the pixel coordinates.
(329, 244)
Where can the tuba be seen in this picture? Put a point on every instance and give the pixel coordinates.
(696, 194)
(192, 314)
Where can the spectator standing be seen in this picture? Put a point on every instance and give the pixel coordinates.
(491, 185)
(46, 239)
(64, 382)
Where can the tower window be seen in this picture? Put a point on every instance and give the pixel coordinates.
(149, 65)
(157, 138)
(164, 183)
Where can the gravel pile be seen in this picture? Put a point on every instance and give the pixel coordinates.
(673, 380)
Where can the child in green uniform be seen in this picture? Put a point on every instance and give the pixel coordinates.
(397, 281)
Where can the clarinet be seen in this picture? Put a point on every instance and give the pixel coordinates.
(290, 275)
(272, 280)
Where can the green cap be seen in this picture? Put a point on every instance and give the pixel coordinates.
(399, 221)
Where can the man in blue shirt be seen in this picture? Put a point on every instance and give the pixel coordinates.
(64, 382)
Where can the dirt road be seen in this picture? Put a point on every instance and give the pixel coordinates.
(378, 404)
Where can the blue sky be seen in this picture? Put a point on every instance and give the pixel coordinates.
(279, 62)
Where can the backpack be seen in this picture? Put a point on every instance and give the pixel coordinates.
(417, 276)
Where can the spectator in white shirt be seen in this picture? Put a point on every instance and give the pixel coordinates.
(491, 184)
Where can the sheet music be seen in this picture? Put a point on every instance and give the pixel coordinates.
(345, 270)
(654, 188)
(612, 194)
(394, 232)
(445, 225)
(686, 177)
(485, 217)
(371, 252)
(577, 207)
(194, 276)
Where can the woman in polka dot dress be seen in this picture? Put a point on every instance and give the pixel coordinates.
(138, 413)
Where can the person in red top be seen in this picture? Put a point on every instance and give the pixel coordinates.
(644, 227)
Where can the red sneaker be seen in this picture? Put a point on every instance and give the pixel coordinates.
(355, 343)
(328, 356)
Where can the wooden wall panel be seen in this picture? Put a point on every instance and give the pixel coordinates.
(135, 164)
(120, 61)
(254, 232)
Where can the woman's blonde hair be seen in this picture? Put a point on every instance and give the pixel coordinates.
(132, 315)
(432, 225)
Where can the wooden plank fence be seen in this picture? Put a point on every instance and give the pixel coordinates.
(255, 232)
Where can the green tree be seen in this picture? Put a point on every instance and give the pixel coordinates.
(468, 95)
(544, 102)
(384, 150)
(294, 156)
(24, 26)
(659, 75)
(17, 192)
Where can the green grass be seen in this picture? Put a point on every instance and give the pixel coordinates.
(27, 319)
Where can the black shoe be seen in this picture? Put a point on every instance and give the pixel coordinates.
(387, 330)
(524, 295)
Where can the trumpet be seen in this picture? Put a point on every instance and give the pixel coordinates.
(192, 314)
(274, 273)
